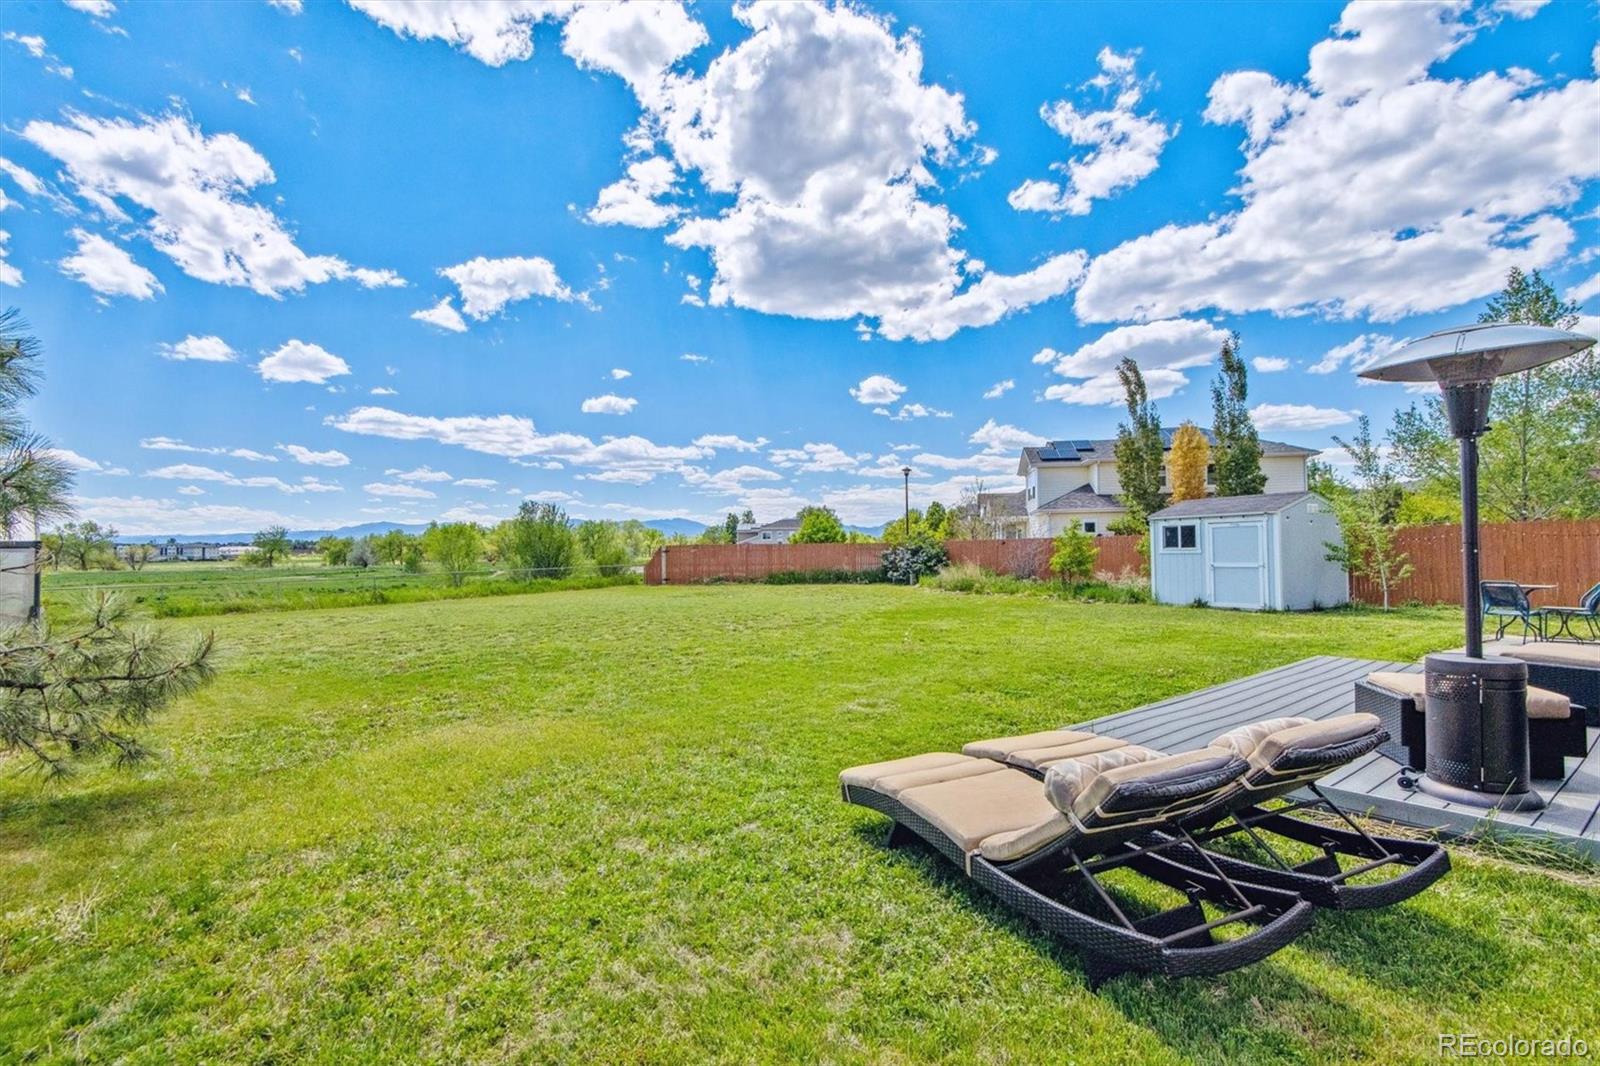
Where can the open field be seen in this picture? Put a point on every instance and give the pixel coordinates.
(604, 826)
(185, 590)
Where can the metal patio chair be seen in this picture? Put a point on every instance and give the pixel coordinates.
(1587, 612)
(1506, 603)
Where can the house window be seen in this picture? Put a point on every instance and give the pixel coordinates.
(1030, 492)
(1211, 474)
(1088, 527)
(1178, 537)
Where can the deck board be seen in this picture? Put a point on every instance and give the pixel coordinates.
(1324, 686)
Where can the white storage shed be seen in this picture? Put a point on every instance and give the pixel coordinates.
(1251, 553)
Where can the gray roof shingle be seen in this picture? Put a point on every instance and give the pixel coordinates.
(1083, 498)
(1214, 506)
(1003, 504)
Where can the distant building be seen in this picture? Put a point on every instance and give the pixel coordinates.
(779, 532)
(1077, 479)
(173, 552)
(1004, 514)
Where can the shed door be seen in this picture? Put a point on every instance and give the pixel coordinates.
(1238, 564)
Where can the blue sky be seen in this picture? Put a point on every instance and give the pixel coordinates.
(331, 263)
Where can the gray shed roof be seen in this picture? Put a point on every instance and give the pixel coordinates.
(1223, 506)
(1083, 498)
(1104, 449)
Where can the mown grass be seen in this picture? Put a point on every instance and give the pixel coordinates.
(604, 826)
(190, 590)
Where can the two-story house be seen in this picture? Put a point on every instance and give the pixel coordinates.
(1069, 479)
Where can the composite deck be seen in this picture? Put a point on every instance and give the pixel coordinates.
(1324, 686)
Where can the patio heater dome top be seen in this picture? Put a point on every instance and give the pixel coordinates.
(1477, 353)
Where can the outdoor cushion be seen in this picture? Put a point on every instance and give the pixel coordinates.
(1000, 747)
(1553, 652)
(1263, 746)
(867, 776)
(1404, 684)
(1244, 739)
(894, 784)
(1039, 758)
(1146, 785)
(1542, 703)
(971, 809)
(1066, 779)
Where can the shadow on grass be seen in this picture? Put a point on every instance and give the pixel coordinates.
(51, 815)
(1264, 1012)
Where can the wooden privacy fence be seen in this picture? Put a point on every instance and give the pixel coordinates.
(688, 564)
(1565, 554)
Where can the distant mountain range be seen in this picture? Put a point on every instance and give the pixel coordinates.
(668, 526)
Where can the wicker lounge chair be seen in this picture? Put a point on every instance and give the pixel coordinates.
(1042, 849)
(1555, 726)
(1570, 669)
(1282, 755)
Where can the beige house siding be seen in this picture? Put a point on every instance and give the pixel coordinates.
(1285, 473)
(1043, 524)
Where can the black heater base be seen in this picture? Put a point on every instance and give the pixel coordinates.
(1489, 801)
(1477, 732)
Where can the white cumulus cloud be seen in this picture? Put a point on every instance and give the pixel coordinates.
(1371, 188)
(1298, 416)
(191, 193)
(301, 454)
(1163, 350)
(207, 349)
(1123, 147)
(609, 404)
(108, 269)
(877, 389)
(297, 360)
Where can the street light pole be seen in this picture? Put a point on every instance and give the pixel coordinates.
(905, 472)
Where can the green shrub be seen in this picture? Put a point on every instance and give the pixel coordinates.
(906, 564)
(826, 577)
(970, 577)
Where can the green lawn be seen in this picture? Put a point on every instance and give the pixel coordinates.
(605, 826)
(187, 590)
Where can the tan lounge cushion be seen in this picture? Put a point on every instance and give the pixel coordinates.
(1039, 758)
(1311, 735)
(894, 784)
(1542, 703)
(1065, 780)
(970, 810)
(1243, 740)
(1546, 651)
(867, 776)
(1086, 805)
(1405, 684)
(1000, 747)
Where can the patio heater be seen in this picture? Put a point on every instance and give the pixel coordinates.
(1476, 706)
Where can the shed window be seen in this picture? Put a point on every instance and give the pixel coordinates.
(1088, 527)
(1177, 537)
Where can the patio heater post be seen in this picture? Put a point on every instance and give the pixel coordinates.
(1476, 706)
(1466, 406)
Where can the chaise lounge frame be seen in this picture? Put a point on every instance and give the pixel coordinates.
(1176, 942)
(1323, 881)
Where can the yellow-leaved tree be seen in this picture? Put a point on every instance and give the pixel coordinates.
(1190, 456)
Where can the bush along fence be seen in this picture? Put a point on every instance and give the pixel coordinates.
(689, 564)
(1565, 554)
